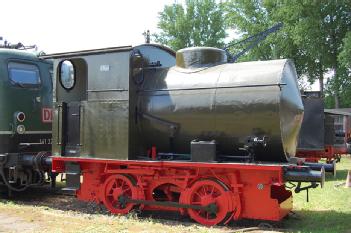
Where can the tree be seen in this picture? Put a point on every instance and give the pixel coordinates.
(344, 87)
(312, 36)
(200, 23)
(345, 55)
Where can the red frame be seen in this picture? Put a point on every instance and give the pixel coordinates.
(330, 153)
(254, 191)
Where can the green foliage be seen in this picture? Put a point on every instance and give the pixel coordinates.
(340, 83)
(249, 18)
(200, 23)
(345, 55)
(314, 34)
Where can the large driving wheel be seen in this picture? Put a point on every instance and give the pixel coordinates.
(117, 190)
(211, 194)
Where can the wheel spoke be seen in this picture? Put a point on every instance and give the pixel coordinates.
(126, 189)
(115, 187)
(204, 193)
(204, 190)
(198, 194)
(212, 190)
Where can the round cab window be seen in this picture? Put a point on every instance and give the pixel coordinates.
(67, 75)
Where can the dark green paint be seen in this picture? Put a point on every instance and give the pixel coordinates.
(23, 99)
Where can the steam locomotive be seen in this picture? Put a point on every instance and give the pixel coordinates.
(143, 127)
(25, 118)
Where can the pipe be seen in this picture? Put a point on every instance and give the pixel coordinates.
(304, 174)
(41, 161)
(9, 186)
(173, 156)
(47, 161)
(328, 167)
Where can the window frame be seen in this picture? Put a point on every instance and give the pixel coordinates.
(20, 84)
(60, 73)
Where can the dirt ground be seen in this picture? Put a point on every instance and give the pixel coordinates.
(42, 210)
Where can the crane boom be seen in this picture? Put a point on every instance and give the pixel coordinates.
(254, 39)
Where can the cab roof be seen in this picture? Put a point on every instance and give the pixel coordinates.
(102, 51)
(17, 52)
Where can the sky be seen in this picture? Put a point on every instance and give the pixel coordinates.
(71, 25)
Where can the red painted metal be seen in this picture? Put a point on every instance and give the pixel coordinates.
(205, 192)
(330, 153)
(116, 186)
(239, 190)
(153, 152)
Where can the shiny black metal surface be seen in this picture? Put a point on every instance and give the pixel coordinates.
(304, 174)
(227, 103)
(328, 167)
(197, 57)
(312, 131)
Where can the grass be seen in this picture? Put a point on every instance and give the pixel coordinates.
(329, 209)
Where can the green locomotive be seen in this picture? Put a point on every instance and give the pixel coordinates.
(25, 118)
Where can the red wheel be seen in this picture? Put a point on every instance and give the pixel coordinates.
(209, 193)
(117, 187)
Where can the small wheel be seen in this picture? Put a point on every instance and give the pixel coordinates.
(209, 193)
(117, 187)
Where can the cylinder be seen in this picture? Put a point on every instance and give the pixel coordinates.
(197, 57)
(304, 174)
(228, 103)
(328, 167)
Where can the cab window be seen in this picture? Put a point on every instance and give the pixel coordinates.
(23, 74)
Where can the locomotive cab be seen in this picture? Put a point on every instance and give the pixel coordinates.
(26, 116)
(96, 106)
